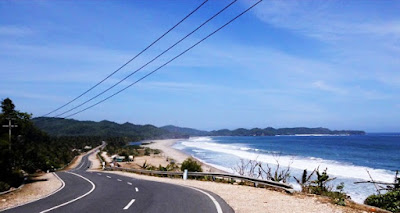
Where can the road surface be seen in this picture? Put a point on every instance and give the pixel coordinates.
(86, 191)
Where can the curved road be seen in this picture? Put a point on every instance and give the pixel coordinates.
(86, 191)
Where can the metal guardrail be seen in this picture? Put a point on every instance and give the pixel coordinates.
(284, 186)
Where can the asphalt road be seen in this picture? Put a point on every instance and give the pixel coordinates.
(86, 191)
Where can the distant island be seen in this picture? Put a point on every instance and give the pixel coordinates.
(269, 131)
(71, 127)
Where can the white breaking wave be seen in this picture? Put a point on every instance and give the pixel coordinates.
(335, 168)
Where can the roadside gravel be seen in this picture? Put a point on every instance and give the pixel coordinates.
(257, 200)
(43, 186)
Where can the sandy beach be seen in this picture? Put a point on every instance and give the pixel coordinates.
(240, 198)
(168, 152)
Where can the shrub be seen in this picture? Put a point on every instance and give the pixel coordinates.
(147, 151)
(4, 186)
(305, 181)
(191, 165)
(319, 186)
(389, 201)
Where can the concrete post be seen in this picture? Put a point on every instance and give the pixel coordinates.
(185, 173)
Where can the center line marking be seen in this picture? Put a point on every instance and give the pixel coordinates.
(136, 189)
(98, 173)
(75, 199)
(129, 204)
(129, 183)
(119, 180)
(108, 176)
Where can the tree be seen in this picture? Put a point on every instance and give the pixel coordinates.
(7, 107)
(191, 165)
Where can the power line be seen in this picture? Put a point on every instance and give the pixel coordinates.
(159, 38)
(209, 35)
(149, 62)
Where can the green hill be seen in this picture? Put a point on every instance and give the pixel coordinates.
(71, 127)
(185, 131)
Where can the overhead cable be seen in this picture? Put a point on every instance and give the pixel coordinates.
(177, 56)
(152, 60)
(159, 38)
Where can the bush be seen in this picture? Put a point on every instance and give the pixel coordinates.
(191, 165)
(389, 201)
(4, 186)
(147, 151)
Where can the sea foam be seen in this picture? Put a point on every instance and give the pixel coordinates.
(335, 168)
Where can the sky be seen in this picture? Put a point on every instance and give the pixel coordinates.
(333, 64)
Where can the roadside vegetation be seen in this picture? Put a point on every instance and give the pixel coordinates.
(122, 148)
(389, 200)
(32, 150)
(317, 182)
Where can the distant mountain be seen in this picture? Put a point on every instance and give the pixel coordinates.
(185, 131)
(71, 127)
(283, 131)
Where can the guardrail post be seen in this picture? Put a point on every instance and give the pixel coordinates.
(185, 173)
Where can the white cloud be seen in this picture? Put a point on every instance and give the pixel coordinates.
(329, 88)
(32, 95)
(15, 31)
(325, 20)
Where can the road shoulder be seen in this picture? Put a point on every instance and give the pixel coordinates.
(43, 186)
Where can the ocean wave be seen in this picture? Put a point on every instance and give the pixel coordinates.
(335, 168)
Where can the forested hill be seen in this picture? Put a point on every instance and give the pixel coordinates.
(185, 131)
(71, 127)
(283, 131)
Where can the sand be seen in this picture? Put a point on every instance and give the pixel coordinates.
(96, 165)
(168, 152)
(31, 191)
(240, 198)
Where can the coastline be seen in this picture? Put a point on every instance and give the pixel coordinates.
(166, 146)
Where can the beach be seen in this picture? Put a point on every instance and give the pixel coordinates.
(168, 153)
(240, 198)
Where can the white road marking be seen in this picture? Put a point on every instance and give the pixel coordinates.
(98, 173)
(80, 166)
(108, 176)
(219, 209)
(129, 204)
(61, 187)
(119, 179)
(75, 199)
(129, 183)
(136, 189)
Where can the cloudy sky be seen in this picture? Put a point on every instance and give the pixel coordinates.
(333, 64)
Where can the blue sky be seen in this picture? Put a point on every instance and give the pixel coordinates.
(293, 63)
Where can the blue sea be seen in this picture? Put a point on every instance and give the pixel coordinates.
(347, 158)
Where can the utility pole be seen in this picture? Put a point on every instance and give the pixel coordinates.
(10, 126)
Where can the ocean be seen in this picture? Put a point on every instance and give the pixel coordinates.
(347, 158)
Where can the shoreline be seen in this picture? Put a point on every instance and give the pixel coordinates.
(166, 146)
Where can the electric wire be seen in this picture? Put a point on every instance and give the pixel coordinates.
(152, 60)
(137, 55)
(209, 35)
